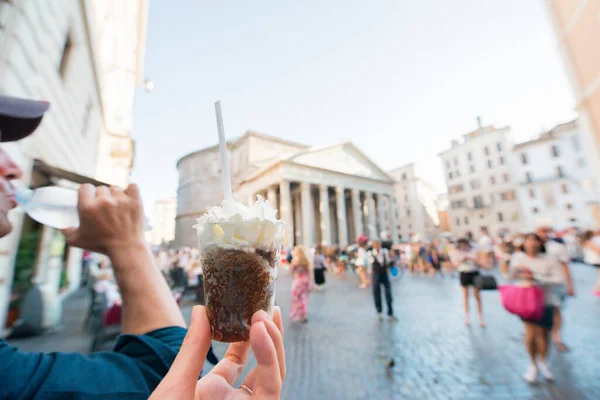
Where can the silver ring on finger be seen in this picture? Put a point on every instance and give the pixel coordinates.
(247, 389)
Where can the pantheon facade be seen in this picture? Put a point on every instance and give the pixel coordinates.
(327, 195)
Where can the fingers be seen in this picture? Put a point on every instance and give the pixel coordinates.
(86, 195)
(102, 192)
(188, 364)
(250, 379)
(268, 375)
(232, 364)
(116, 191)
(133, 191)
(277, 319)
(276, 334)
(275, 330)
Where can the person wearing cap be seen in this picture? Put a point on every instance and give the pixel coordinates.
(152, 327)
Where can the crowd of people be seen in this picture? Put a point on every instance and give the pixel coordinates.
(539, 259)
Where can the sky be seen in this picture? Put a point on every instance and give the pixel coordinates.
(400, 79)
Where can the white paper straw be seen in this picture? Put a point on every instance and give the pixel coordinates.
(224, 159)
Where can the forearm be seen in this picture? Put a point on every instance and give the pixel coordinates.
(148, 303)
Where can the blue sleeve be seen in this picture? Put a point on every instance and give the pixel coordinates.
(131, 371)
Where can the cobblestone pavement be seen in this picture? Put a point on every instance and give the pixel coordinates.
(342, 352)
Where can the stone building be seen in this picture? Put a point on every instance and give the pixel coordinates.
(326, 195)
(577, 31)
(163, 221)
(482, 183)
(556, 180)
(57, 51)
(416, 202)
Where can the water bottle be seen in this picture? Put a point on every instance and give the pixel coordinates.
(53, 206)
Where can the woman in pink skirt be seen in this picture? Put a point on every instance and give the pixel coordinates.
(301, 270)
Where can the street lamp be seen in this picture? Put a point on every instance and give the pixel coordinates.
(148, 85)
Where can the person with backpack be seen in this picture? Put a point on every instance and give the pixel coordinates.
(379, 262)
(319, 267)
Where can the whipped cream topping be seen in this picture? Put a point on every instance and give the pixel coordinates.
(237, 226)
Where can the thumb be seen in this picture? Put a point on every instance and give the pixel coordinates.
(186, 368)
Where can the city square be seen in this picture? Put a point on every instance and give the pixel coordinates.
(343, 351)
(326, 157)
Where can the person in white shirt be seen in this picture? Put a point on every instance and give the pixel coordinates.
(565, 287)
(465, 261)
(533, 264)
(591, 254)
(408, 254)
(362, 262)
(379, 262)
(485, 249)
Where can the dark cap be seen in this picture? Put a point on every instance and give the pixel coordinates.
(20, 117)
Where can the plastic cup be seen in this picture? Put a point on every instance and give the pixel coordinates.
(239, 279)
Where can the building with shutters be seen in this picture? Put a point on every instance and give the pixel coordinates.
(482, 183)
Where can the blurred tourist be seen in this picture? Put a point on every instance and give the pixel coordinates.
(319, 267)
(409, 256)
(465, 261)
(505, 251)
(300, 269)
(362, 261)
(435, 261)
(534, 266)
(591, 254)
(379, 262)
(555, 247)
(485, 249)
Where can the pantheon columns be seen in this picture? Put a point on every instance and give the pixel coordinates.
(330, 215)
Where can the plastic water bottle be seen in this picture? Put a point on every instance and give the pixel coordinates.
(53, 206)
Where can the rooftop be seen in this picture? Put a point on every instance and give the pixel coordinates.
(231, 143)
(551, 134)
(473, 135)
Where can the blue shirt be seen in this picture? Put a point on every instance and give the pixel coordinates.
(131, 371)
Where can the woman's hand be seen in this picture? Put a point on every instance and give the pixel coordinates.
(264, 382)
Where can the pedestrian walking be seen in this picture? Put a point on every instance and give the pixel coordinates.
(300, 269)
(465, 261)
(319, 267)
(591, 254)
(533, 265)
(423, 256)
(505, 252)
(362, 262)
(409, 256)
(485, 249)
(435, 261)
(379, 262)
(556, 248)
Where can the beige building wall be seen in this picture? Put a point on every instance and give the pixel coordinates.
(415, 203)
(118, 34)
(50, 50)
(163, 221)
(577, 27)
(45, 54)
(481, 181)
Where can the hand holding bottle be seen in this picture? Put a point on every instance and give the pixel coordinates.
(110, 219)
